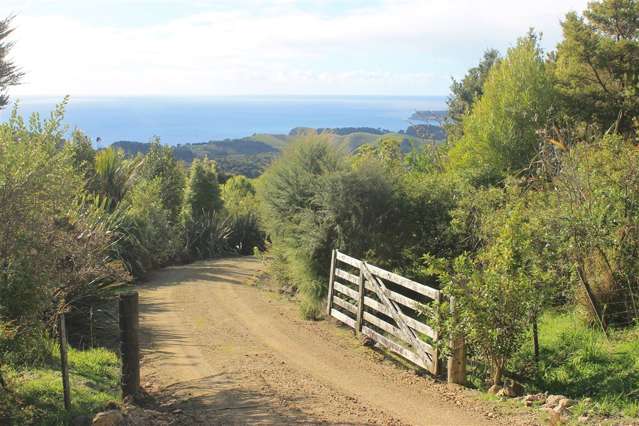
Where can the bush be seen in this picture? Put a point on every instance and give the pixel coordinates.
(149, 237)
(376, 206)
(202, 191)
(292, 215)
(114, 174)
(207, 236)
(499, 288)
(39, 184)
(160, 163)
(598, 212)
(238, 194)
(56, 250)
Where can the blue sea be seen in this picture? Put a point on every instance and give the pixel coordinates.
(178, 120)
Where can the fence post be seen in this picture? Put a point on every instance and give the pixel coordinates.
(457, 358)
(129, 346)
(360, 301)
(331, 280)
(64, 362)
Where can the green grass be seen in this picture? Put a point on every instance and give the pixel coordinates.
(36, 393)
(578, 361)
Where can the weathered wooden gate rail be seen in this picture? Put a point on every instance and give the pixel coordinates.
(365, 303)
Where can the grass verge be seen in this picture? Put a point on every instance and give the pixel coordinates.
(580, 362)
(35, 395)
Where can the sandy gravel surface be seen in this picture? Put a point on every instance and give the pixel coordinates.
(218, 349)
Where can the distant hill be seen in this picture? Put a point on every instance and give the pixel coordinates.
(251, 155)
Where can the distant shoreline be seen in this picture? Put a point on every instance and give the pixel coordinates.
(182, 120)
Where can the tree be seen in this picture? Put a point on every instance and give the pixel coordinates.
(238, 194)
(83, 156)
(206, 230)
(202, 191)
(466, 92)
(500, 134)
(597, 65)
(241, 204)
(10, 74)
(160, 163)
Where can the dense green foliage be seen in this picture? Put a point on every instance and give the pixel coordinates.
(464, 93)
(530, 207)
(580, 361)
(35, 396)
(500, 134)
(77, 225)
(374, 205)
(251, 155)
(597, 66)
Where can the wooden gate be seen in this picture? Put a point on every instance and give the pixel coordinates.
(384, 307)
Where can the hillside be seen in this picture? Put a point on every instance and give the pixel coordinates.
(249, 156)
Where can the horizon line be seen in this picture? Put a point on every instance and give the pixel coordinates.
(281, 95)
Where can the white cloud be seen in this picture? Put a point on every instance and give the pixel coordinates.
(259, 47)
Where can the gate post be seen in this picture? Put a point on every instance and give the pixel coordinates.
(66, 387)
(331, 280)
(129, 345)
(457, 358)
(360, 301)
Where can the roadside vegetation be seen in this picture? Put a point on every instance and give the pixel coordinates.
(80, 225)
(77, 226)
(36, 389)
(527, 215)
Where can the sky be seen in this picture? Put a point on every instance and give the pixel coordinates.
(265, 47)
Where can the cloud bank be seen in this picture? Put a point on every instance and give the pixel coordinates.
(400, 47)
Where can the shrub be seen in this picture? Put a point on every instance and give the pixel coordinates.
(39, 184)
(598, 212)
(292, 215)
(500, 287)
(207, 236)
(160, 163)
(150, 240)
(238, 194)
(114, 174)
(202, 191)
(55, 256)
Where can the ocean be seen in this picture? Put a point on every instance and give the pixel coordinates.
(178, 120)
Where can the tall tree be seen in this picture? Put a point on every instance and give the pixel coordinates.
(500, 133)
(597, 68)
(467, 91)
(10, 74)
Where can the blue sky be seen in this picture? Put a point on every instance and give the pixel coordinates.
(262, 47)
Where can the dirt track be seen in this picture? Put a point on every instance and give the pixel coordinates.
(220, 350)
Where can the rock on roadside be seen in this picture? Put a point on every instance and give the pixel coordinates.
(108, 418)
(132, 415)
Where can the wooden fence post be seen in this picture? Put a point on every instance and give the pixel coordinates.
(457, 359)
(331, 281)
(360, 301)
(64, 362)
(129, 346)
